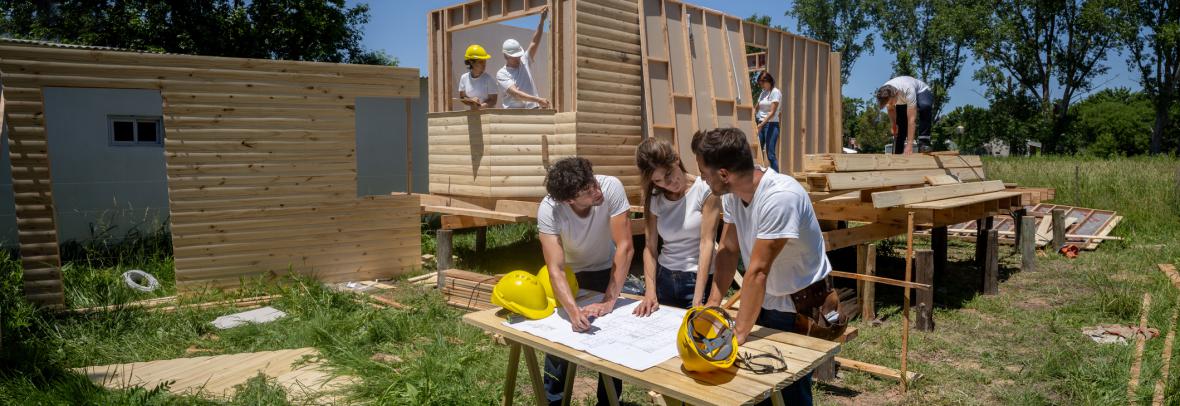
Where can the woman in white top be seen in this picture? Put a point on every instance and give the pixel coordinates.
(679, 209)
(477, 88)
(767, 117)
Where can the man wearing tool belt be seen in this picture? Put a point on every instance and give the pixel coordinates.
(770, 223)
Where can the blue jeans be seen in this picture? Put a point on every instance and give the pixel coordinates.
(768, 137)
(555, 367)
(798, 393)
(675, 288)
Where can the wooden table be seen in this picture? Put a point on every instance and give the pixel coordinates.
(730, 387)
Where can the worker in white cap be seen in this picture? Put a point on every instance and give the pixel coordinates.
(516, 77)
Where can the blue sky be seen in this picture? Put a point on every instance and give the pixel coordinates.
(399, 28)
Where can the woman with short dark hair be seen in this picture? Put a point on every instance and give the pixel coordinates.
(767, 117)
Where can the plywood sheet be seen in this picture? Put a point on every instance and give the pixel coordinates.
(218, 375)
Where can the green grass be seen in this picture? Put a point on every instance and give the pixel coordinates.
(1023, 346)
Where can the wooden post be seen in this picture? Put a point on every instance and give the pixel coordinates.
(513, 366)
(991, 264)
(481, 239)
(905, 307)
(1058, 229)
(866, 263)
(442, 253)
(981, 227)
(924, 263)
(1028, 244)
(938, 244)
(1017, 222)
(409, 145)
(825, 372)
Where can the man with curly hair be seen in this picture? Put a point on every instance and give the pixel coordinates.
(583, 224)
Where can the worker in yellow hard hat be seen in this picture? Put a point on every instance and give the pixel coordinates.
(477, 88)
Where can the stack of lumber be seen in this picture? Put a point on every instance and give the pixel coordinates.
(468, 290)
(836, 172)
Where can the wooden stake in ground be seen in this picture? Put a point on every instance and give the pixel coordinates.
(1162, 383)
(1140, 339)
(905, 307)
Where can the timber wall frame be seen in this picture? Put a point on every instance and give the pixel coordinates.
(261, 164)
(624, 70)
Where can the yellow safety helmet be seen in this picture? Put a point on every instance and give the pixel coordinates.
(706, 340)
(543, 276)
(520, 293)
(476, 52)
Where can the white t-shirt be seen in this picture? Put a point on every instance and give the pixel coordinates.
(765, 100)
(909, 87)
(480, 87)
(522, 78)
(586, 241)
(780, 209)
(679, 225)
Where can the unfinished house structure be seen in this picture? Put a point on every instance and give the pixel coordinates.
(622, 70)
(260, 155)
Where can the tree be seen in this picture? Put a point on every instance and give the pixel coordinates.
(1043, 44)
(308, 30)
(840, 23)
(867, 124)
(1113, 122)
(1155, 52)
(930, 39)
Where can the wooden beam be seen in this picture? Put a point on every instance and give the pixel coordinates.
(875, 370)
(485, 214)
(927, 194)
(458, 222)
(878, 279)
(866, 264)
(924, 267)
(847, 237)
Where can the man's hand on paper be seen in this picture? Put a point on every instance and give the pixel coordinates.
(648, 306)
(579, 321)
(599, 309)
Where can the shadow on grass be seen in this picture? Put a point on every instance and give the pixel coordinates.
(959, 283)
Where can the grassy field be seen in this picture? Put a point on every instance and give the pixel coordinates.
(1023, 346)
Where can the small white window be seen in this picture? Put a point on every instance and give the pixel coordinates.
(135, 130)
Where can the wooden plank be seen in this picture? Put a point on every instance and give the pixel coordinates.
(874, 179)
(487, 214)
(847, 237)
(1140, 339)
(1169, 270)
(876, 370)
(926, 194)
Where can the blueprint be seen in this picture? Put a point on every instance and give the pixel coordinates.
(620, 337)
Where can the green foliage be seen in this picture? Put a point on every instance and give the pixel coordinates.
(930, 39)
(867, 124)
(308, 30)
(1153, 52)
(1032, 48)
(845, 24)
(1113, 122)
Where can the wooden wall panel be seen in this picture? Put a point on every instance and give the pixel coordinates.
(710, 88)
(260, 160)
(610, 82)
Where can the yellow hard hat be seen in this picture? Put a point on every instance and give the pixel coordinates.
(543, 276)
(476, 52)
(520, 293)
(706, 340)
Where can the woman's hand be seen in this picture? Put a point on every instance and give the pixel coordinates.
(648, 306)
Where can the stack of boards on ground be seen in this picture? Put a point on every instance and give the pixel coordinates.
(464, 289)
